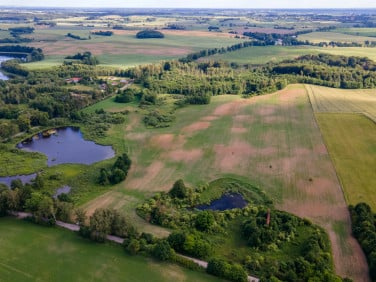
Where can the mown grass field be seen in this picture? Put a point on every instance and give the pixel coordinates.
(33, 253)
(351, 141)
(272, 141)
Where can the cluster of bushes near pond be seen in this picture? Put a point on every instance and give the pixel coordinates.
(284, 248)
(117, 173)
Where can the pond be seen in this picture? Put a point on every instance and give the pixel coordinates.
(226, 202)
(62, 190)
(3, 59)
(66, 145)
(24, 178)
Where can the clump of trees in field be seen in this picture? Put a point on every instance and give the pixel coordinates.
(118, 171)
(85, 58)
(75, 36)
(149, 33)
(364, 229)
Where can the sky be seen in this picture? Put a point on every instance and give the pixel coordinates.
(194, 3)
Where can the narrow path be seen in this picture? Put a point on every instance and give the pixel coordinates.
(116, 239)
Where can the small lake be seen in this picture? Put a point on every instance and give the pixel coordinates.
(228, 201)
(67, 145)
(3, 59)
(62, 190)
(24, 178)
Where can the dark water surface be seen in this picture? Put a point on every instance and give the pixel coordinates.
(24, 178)
(3, 59)
(226, 202)
(67, 146)
(62, 190)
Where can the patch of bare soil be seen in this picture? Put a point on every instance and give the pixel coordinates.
(197, 126)
(147, 177)
(238, 130)
(228, 109)
(209, 118)
(164, 141)
(186, 155)
(244, 118)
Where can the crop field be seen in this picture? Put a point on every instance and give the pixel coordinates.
(351, 141)
(264, 54)
(317, 37)
(347, 120)
(261, 55)
(364, 31)
(123, 49)
(333, 100)
(33, 253)
(272, 141)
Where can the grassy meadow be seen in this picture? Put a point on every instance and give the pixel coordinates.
(34, 253)
(271, 141)
(351, 141)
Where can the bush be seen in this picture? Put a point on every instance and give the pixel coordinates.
(179, 190)
(163, 251)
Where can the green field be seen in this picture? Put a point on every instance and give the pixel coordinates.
(351, 141)
(317, 37)
(262, 55)
(347, 120)
(33, 253)
(332, 100)
(364, 31)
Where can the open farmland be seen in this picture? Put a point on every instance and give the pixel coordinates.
(261, 55)
(123, 49)
(272, 141)
(317, 37)
(351, 141)
(33, 253)
(331, 100)
(364, 31)
(347, 120)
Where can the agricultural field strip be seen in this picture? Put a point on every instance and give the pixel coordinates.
(330, 100)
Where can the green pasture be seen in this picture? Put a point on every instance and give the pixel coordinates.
(351, 141)
(34, 253)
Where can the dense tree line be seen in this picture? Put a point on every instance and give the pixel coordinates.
(31, 54)
(103, 32)
(77, 37)
(363, 222)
